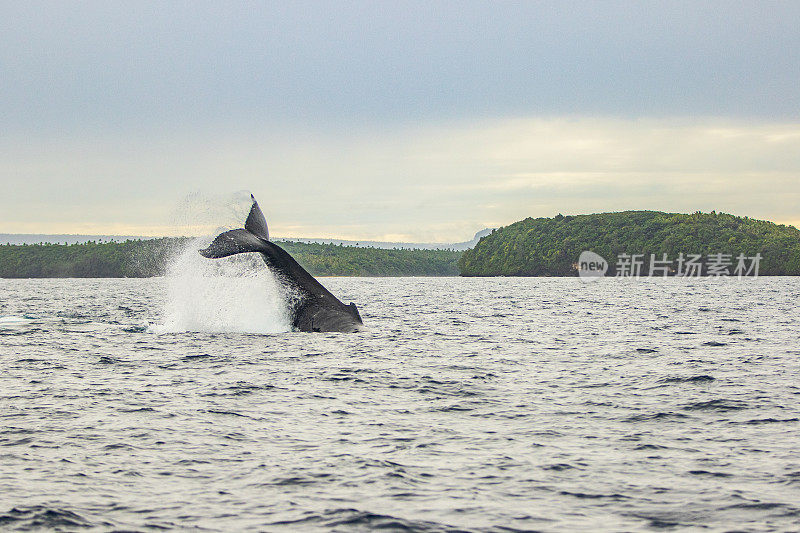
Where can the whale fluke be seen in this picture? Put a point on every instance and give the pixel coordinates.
(316, 309)
(235, 241)
(256, 223)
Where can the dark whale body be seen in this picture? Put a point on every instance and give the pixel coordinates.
(316, 309)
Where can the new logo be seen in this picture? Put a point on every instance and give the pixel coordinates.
(591, 266)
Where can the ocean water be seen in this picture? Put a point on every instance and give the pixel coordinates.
(505, 404)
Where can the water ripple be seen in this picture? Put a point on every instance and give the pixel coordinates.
(481, 405)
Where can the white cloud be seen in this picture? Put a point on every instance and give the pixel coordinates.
(424, 183)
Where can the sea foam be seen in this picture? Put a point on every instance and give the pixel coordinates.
(236, 294)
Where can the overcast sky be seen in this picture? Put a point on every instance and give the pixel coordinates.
(419, 121)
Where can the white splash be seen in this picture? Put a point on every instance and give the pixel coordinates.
(15, 320)
(236, 294)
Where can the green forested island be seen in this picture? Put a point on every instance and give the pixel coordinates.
(551, 246)
(144, 258)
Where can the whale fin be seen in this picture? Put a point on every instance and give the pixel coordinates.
(256, 223)
(236, 241)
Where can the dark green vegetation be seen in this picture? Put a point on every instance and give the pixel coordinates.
(336, 260)
(551, 246)
(144, 258)
(133, 259)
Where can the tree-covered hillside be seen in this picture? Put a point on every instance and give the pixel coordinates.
(132, 259)
(551, 246)
(144, 258)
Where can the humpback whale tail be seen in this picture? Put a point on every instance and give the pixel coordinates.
(250, 239)
(316, 309)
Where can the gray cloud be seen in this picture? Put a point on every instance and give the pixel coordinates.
(171, 65)
(418, 119)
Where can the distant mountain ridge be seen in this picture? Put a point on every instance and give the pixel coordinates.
(457, 246)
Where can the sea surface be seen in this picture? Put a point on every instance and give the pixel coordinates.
(471, 404)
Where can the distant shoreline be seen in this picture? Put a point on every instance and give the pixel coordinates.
(149, 258)
(48, 238)
(542, 247)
